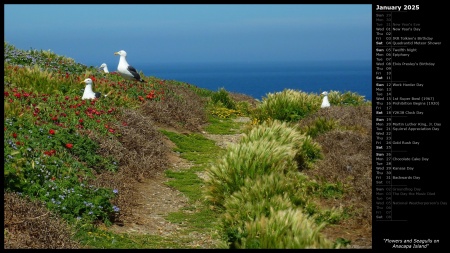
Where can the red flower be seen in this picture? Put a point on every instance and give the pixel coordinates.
(81, 121)
(14, 135)
(69, 145)
(51, 131)
(6, 94)
(50, 153)
(151, 95)
(111, 130)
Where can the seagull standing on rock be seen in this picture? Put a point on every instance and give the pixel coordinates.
(126, 70)
(325, 102)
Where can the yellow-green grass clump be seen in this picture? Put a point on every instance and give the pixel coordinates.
(337, 98)
(257, 197)
(272, 146)
(288, 105)
(307, 150)
(246, 160)
(284, 229)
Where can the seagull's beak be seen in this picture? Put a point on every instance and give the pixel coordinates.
(116, 53)
(82, 82)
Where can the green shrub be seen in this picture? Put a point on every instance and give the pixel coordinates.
(222, 96)
(347, 98)
(287, 105)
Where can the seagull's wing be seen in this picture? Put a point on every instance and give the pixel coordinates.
(134, 72)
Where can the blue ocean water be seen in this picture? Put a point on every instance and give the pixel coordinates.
(258, 79)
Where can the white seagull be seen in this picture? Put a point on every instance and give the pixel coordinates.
(88, 93)
(126, 70)
(104, 67)
(325, 102)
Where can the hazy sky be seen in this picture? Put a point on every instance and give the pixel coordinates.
(90, 34)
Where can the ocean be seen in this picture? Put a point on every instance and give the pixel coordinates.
(258, 79)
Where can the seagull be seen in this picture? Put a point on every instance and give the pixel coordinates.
(104, 67)
(88, 93)
(325, 102)
(126, 70)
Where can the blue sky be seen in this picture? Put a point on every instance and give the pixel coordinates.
(90, 34)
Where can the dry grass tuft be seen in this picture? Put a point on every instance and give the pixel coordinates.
(29, 225)
(181, 110)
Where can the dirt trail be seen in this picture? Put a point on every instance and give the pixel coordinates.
(156, 200)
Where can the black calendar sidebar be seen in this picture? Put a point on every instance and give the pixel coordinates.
(410, 126)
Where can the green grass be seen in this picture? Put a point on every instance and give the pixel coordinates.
(101, 239)
(192, 146)
(204, 219)
(222, 125)
(187, 182)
